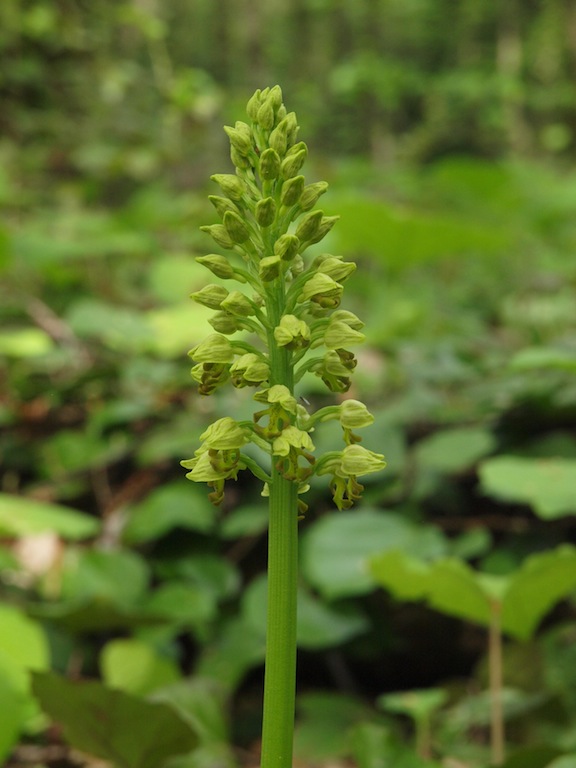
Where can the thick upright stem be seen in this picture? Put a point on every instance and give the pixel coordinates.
(495, 665)
(280, 662)
(280, 674)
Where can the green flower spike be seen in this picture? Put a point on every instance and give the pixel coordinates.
(267, 223)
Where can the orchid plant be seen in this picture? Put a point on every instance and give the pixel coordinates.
(290, 305)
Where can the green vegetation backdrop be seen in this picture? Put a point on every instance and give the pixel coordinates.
(447, 132)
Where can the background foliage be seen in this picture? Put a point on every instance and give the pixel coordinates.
(447, 132)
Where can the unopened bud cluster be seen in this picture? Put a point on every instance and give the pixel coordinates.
(291, 305)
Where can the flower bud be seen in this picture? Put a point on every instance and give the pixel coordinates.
(214, 349)
(219, 234)
(265, 115)
(291, 191)
(210, 296)
(269, 164)
(357, 461)
(249, 370)
(339, 334)
(286, 247)
(225, 435)
(322, 290)
(236, 227)
(292, 333)
(224, 322)
(231, 185)
(354, 414)
(326, 224)
(311, 194)
(275, 97)
(308, 225)
(222, 204)
(292, 164)
(279, 138)
(238, 304)
(349, 318)
(334, 267)
(240, 137)
(292, 132)
(240, 161)
(253, 105)
(218, 265)
(265, 211)
(269, 268)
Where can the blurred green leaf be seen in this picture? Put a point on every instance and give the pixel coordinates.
(116, 578)
(336, 547)
(25, 342)
(323, 725)
(547, 485)
(176, 505)
(112, 725)
(201, 703)
(417, 704)
(133, 666)
(21, 516)
(454, 450)
(453, 587)
(182, 604)
(319, 625)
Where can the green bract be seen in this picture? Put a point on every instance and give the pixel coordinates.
(268, 221)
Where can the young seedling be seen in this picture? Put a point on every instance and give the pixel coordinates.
(512, 604)
(289, 302)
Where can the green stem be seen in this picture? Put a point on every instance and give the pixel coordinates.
(280, 662)
(280, 669)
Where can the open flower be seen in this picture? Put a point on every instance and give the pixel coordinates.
(292, 333)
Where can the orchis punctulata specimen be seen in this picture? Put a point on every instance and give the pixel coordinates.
(290, 304)
(268, 223)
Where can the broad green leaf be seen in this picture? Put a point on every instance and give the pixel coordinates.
(237, 648)
(200, 702)
(544, 357)
(177, 505)
(21, 516)
(135, 667)
(177, 328)
(407, 578)
(118, 578)
(211, 574)
(246, 520)
(22, 640)
(174, 275)
(25, 342)
(402, 238)
(23, 647)
(319, 625)
(336, 548)
(548, 485)
(533, 756)
(418, 704)
(564, 761)
(113, 725)
(542, 581)
(454, 450)
(118, 328)
(13, 705)
(73, 450)
(182, 604)
(323, 725)
(456, 590)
